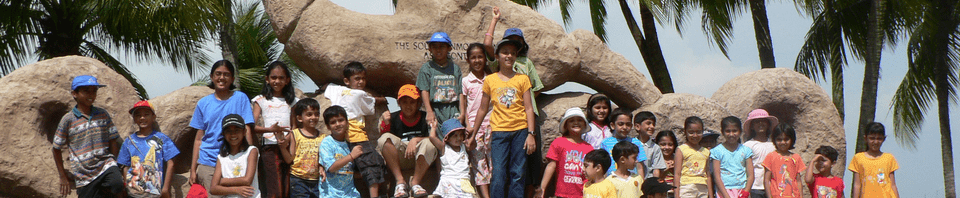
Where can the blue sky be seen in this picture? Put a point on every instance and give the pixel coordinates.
(698, 67)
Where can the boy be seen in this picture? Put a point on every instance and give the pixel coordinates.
(873, 170)
(645, 123)
(88, 134)
(358, 103)
(595, 165)
(627, 184)
(653, 188)
(150, 152)
(439, 79)
(824, 184)
(335, 161)
(407, 131)
(621, 124)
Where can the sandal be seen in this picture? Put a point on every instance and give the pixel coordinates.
(400, 191)
(419, 192)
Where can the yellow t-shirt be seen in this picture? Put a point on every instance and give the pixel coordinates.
(694, 165)
(603, 189)
(626, 188)
(506, 98)
(874, 174)
(305, 160)
(356, 133)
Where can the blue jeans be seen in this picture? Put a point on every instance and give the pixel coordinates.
(509, 163)
(754, 193)
(304, 188)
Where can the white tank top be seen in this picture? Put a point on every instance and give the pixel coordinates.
(234, 166)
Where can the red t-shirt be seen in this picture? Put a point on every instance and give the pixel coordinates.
(569, 158)
(826, 187)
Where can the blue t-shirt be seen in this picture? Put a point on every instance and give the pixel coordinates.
(208, 116)
(607, 144)
(339, 183)
(733, 170)
(146, 157)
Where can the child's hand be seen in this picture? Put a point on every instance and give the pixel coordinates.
(357, 150)
(819, 157)
(496, 12)
(531, 145)
(65, 186)
(411, 151)
(538, 193)
(277, 128)
(282, 140)
(323, 175)
(165, 193)
(431, 118)
(245, 191)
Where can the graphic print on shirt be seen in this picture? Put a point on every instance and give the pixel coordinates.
(507, 96)
(826, 192)
(143, 176)
(445, 88)
(345, 170)
(573, 167)
(696, 169)
(786, 182)
(880, 178)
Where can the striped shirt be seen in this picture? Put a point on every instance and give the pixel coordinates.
(86, 140)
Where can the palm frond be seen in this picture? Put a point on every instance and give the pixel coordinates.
(92, 50)
(598, 16)
(717, 20)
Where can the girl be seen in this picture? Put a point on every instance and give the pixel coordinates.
(598, 108)
(236, 170)
(732, 163)
(782, 168)
(273, 106)
(208, 114)
(668, 144)
(758, 126)
(470, 103)
(301, 150)
(511, 120)
(455, 176)
(569, 152)
(692, 160)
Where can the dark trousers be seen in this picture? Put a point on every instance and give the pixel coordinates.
(274, 173)
(108, 184)
(509, 163)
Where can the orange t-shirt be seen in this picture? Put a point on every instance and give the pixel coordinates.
(785, 170)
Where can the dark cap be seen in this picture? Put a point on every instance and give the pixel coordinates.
(233, 120)
(653, 185)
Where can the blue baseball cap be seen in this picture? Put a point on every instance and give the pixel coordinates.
(512, 31)
(85, 80)
(449, 126)
(440, 37)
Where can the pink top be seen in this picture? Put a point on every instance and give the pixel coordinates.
(569, 172)
(473, 90)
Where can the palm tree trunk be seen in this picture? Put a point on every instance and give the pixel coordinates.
(871, 72)
(761, 28)
(227, 47)
(948, 23)
(649, 45)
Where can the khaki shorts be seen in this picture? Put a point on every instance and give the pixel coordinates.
(693, 190)
(424, 148)
(205, 175)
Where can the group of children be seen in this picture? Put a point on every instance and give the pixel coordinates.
(479, 125)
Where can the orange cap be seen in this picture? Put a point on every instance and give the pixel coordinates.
(141, 104)
(408, 90)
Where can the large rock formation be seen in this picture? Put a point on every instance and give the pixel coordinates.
(795, 100)
(552, 107)
(672, 109)
(324, 37)
(35, 98)
(174, 111)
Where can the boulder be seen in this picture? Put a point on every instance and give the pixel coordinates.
(552, 107)
(36, 98)
(794, 99)
(174, 111)
(673, 109)
(324, 37)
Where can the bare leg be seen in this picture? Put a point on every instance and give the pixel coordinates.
(419, 170)
(375, 190)
(392, 160)
(485, 191)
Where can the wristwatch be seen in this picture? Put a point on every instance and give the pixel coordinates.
(531, 133)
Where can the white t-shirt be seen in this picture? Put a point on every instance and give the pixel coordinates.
(272, 111)
(596, 135)
(235, 166)
(356, 102)
(760, 151)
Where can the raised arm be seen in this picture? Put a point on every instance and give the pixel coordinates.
(808, 176)
(488, 38)
(435, 140)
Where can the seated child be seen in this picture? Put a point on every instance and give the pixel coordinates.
(627, 183)
(873, 170)
(653, 188)
(404, 142)
(336, 159)
(150, 152)
(358, 104)
(455, 176)
(595, 165)
(89, 136)
(621, 122)
(301, 148)
(567, 153)
(824, 184)
(236, 170)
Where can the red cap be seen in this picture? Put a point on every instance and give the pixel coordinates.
(141, 104)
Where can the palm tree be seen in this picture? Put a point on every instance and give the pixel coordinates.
(171, 31)
(252, 44)
(933, 52)
(646, 38)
